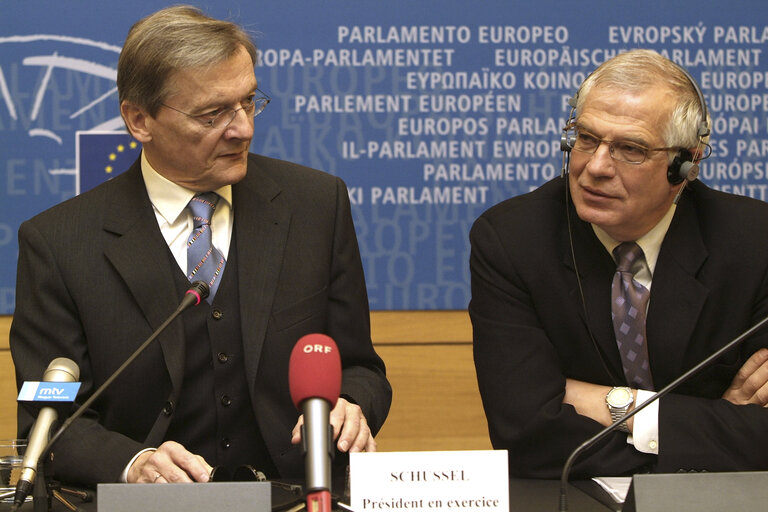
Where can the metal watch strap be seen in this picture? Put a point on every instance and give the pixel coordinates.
(616, 415)
(618, 411)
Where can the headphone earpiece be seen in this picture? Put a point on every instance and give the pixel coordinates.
(682, 168)
(568, 138)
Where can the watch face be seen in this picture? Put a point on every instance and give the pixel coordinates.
(619, 397)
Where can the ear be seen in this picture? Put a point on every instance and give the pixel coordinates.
(137, 121)
(697, 152)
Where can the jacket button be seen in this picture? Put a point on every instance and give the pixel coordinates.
(217, 314)
(225, 443)
(226, 401)
(168, 408)
(222, 357)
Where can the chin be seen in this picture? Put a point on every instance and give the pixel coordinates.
(234, 172)
(595, 216)
(240, 174)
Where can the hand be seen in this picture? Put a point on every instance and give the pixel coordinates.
(349, 427)
(750, 384)
(171, 462)
(589, 400)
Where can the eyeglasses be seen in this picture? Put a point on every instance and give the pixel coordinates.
(623, 151)
(221, 118)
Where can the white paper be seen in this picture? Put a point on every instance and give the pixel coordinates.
(452, 481)
(617, 486)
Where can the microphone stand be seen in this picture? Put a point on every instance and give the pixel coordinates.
(192, 297)
(198, 291)
(664, 391)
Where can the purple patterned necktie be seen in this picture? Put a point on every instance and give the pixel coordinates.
(204, 261)
(629, 301)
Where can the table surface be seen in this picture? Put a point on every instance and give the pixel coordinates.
(525, 496)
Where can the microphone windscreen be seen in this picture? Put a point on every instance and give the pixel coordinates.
(62, 369)
(200, 289)
(314, 370)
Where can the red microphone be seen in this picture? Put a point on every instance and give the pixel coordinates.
(314, 377)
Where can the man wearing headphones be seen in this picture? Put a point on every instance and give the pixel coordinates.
(595, 290)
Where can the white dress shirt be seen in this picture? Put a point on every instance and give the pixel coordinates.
(169, 202)
(645, 431)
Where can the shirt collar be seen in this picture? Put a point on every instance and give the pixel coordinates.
(650, 242)
(168, 198)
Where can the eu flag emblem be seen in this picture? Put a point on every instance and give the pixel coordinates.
(103, 155)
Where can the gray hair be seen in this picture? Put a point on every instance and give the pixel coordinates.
(638, 71)
(170, 40)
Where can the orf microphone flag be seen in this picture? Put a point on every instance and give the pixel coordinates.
(315, 370)
(314, 377)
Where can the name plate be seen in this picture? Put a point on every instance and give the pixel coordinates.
(48, 391)
(453, 481)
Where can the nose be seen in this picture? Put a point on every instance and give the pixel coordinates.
(601, 163)
(241, 126)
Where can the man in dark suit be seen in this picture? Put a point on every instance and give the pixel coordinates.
(98, 273)
(546, 333)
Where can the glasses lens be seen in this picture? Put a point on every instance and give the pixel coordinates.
(258, 105)
(223, 118)
(622, 151)
(628, 152)
(226, 116)
(221, 474)
(586, 143)
(247, 473)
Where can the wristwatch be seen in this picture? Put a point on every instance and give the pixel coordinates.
(618, 400)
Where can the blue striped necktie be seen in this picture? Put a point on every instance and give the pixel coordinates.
(204, 261)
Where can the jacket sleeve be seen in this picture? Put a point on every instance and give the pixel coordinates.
(521, 373)
(529, 337)
(363, 372)
(46, 326)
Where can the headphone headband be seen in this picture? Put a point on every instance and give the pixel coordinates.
(683, 167)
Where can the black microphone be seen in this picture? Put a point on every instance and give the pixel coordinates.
(665, 390)
(61, 369)
(192, 297)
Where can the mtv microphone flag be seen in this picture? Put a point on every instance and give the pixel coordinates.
(48, 391)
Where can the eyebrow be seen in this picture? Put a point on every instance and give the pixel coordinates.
(217, 104)
(633, 140)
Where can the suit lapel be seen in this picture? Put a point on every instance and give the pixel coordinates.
(677, 297)
(261, 226)
(596, 268)
(139, 255)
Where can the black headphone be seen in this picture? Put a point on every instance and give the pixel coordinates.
(682, 168)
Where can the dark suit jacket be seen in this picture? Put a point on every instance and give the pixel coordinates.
(531, 332)
(95, 278)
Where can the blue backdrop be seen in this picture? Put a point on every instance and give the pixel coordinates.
(430, 110)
